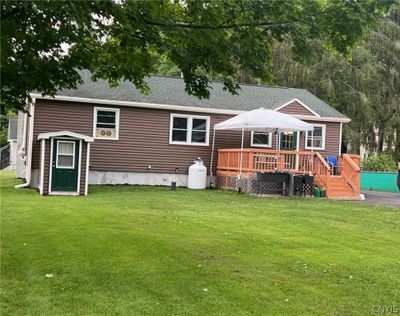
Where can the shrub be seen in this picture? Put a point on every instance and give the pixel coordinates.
(382, 162)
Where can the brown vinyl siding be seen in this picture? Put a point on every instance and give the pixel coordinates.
(143, 138)
(295, 108)
(46, 165)
(332, 134)
(83, 169)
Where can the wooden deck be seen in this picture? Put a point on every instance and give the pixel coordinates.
(341, 183)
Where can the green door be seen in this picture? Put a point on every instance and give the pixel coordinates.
(65, 163)
(288, 141)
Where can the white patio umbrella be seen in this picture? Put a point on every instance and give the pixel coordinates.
(260, 120)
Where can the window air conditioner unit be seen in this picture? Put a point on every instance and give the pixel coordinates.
(105, 132)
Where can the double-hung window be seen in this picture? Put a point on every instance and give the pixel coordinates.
(316, 139)
(65, 155)
(261, 139)
(189, 129)
(106, 123)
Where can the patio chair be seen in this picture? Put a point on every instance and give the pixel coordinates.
(333, 163)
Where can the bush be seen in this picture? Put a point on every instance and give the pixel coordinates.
(382, 162)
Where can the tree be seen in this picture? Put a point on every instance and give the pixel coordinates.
(365, 85)
(122, 40)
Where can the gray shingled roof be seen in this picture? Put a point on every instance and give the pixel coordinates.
(171, 90)
(12, 129)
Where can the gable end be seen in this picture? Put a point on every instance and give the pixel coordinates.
(296, 107)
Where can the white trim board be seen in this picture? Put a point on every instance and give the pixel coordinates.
(340, 138)
(117, 114)
(78, 188)
(42, 157)
(50, 165)
(87, 168)
(171, 107)
(64, 193)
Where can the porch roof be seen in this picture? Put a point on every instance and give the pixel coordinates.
(65, 133)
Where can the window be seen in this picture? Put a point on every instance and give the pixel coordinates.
(189, 130)
(261, 139)
(318, 138)
(65, 155)
(288, 140)
(106, 123)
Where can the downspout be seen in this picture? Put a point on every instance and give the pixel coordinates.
(28, 151)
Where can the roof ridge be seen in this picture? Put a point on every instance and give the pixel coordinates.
(262, 85)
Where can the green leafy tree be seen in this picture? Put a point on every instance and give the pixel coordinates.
(365, 84)
(124, 39)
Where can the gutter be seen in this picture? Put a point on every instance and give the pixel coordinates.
(27, 153)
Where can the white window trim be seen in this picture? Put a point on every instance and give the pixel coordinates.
(297, 139)
(58, 154)
(116, 110)
(323, 138)
(189, 129)
(269, 145)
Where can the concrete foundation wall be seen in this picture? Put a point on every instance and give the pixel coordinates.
(35, 178)
(140, 178)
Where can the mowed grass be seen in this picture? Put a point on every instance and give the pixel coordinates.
(130, 250)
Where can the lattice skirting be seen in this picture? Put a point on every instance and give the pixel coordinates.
(249, 185)
(304, 189)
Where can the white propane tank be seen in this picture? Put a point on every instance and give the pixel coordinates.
(197, 177)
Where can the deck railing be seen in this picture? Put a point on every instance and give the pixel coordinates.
(256, 160)
(321, 170)
(251, 161)
(351, 171)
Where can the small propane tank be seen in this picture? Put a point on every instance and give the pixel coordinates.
(197, 177)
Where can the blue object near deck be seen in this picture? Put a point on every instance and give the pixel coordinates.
(379, 181)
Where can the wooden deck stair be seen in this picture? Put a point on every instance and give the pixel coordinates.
(346, 185)
(339, 188)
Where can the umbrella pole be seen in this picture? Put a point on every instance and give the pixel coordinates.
(277, 156)
(312, 151)
(241, 155)
(212, 161)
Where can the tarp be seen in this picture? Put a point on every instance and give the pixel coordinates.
(260, 120)
(263, 120)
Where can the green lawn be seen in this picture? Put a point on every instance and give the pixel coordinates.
(129, 250)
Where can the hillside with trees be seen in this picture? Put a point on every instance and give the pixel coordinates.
(365, 84)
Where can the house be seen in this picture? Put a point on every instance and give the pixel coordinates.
(12, 139)
(101, 135)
